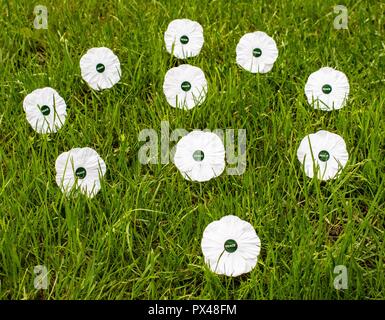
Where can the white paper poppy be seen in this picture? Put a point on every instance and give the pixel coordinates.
(184, 38)
(327, 89)
(256, 52)
(230, 246)
(45, 109)
(200, 156)
(100, 68)
(328, 151)
(80, 168)
(185, 86)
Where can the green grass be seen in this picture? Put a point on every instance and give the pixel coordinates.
(139, 238)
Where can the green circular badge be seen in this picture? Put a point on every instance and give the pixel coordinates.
(81, 172)
(186, 86)
(184, 39)
(231, 245)
(198, 155)
(100, 67)
(327, 88)
(324, 155)
(45, 110)
(257, 52)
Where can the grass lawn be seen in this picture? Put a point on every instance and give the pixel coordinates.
(139, 238)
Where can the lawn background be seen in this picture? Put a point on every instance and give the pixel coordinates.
(139, 238)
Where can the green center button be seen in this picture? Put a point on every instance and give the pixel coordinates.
(184, 39)
(81, 172)
(231, 245)
(257, 52)
(45, 110)
(198, 155)
(100, 67)
(324, 155)
(327, 88)
(186, 86)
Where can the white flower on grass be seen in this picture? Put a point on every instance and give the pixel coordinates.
(46, 110)
(80, 168)
(327, 89)
(230, 246)
(200, 156)
(185, 86)
(328, 151)
(184, 38)
(256, 52)
(100, 68)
